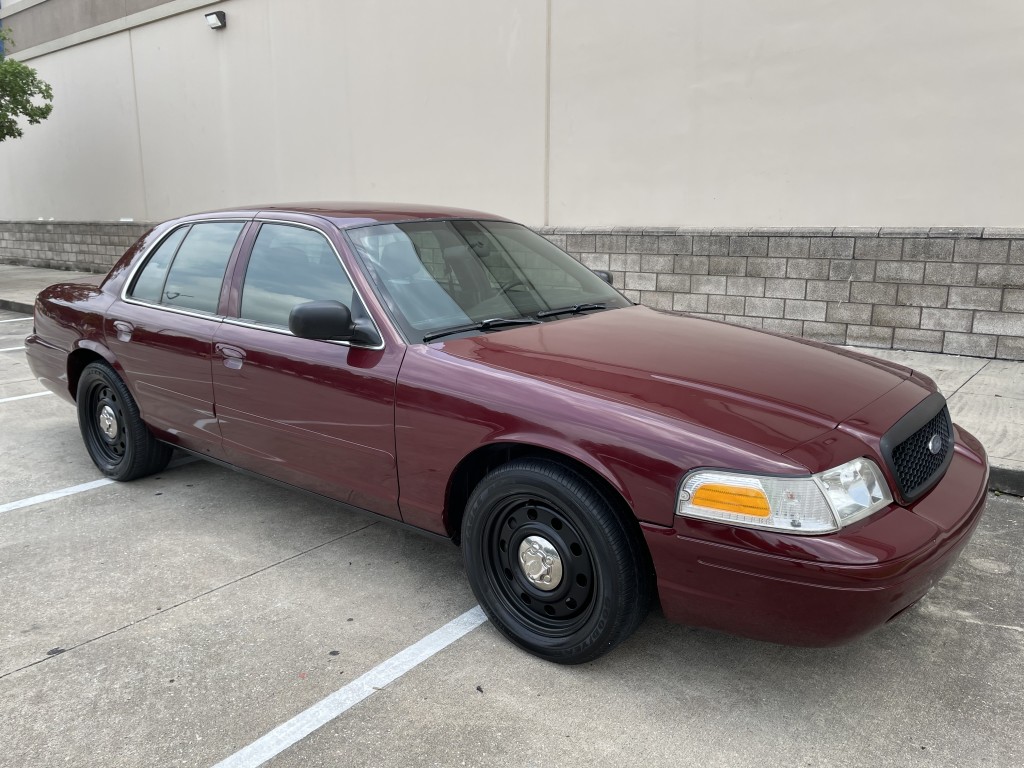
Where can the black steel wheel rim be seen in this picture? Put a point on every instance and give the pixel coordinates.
(111, 449)
(557, 612)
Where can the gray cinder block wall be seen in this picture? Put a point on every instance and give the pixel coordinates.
(957, 291)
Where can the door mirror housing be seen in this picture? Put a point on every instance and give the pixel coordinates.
(331, 321)
(604, 274)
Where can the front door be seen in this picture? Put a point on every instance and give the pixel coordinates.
(316, 414)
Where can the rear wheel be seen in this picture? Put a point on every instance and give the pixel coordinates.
(118, 441)
(554, 565)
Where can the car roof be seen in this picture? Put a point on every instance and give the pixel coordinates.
(351, 214)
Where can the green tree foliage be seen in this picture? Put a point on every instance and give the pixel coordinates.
(22, 94)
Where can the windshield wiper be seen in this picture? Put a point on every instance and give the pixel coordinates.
(574, 309)
(483, 325)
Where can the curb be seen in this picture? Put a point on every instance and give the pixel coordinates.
(16, 306)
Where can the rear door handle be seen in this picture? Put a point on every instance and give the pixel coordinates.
(124, 330)
(233, 356)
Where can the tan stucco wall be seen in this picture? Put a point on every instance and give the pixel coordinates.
(596, 112)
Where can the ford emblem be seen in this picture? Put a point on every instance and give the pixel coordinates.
(935, 444)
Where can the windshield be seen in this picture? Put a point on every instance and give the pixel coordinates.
(439, 275)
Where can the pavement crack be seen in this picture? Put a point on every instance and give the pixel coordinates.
(60, 651)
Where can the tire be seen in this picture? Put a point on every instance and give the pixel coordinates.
(118, 441)
(514, 518)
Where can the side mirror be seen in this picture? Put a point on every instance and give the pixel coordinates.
(604, 274)
(330, 321)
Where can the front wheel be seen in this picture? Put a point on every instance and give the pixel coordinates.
(118, 441)
(555, 567)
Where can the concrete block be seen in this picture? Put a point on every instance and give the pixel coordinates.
(903, 317)
(950, 274)
(641, 281)
(747, 322)
(920, 341)
(707, 284)
(710, 246)
(727, 305)
(873, 293)
(709, 316)
(633, 296)
(778, 325)
(748, 246)
(935, 249)
(1017, 251)
(653, 263)
(618, 279)
(692, 265)
(1003, 233)
(877, 248)
(730, 231)
(922, 295)
(784, 288)
(1013, 300)
(727, 265)
(745, 286)
(999, 323)
(982, 251)
(675, 244)
(761, 307)
(656, 299)
(627, 230)
(903, 232)
(798, 309)
(955, 232)
(947, 319)
(789, 247)
(831, 248)
(765, 267)
(690, 302)
(855, 232)
(899, 272)
(581, 243)
(693, 231)
(975, 298)
(594, 260)
(624, 262)
(832, 333)
(816, 269)
(659, 230)
(675, 283)
(610, 243)
(1004, 275)
(861, 271)
(869, 336)
(973, 344)
(770, 231)
(1010, 348)
(641, 244)
(845, 312)
(828, 290)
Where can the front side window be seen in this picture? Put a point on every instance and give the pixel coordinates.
(289, 266)
(187, 270)
(437, 275)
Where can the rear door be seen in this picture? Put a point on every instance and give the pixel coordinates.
(317, 414)
(161, 331)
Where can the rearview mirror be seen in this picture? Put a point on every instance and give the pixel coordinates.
(604, 274)
(330, 321)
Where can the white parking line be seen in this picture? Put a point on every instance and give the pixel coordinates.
(11, 349)
(17, 319)
(70, 491)
(24, 397)
(321, 713)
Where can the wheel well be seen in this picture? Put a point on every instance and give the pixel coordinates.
(77, 361)
(472, 469)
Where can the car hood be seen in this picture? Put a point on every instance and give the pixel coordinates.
(772, 391)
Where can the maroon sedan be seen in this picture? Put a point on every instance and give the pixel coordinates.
(459, 373)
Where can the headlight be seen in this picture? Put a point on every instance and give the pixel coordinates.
(821, 503)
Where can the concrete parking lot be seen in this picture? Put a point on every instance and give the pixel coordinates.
(177, 620)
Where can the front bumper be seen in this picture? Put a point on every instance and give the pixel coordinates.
(820, 590)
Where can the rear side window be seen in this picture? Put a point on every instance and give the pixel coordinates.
(187, 270)
(289, 266)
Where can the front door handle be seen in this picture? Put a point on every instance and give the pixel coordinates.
(124, 330)
(233, 356)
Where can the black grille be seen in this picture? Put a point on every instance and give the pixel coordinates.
(907, 447)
